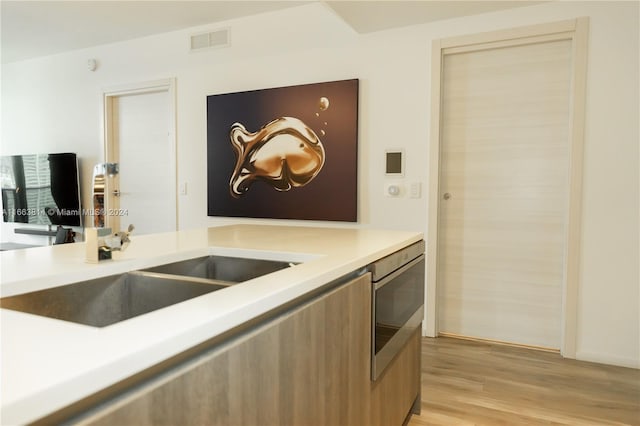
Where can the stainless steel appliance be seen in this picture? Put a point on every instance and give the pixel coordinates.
(398, 303)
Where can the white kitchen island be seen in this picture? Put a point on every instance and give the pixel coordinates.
(48, 364)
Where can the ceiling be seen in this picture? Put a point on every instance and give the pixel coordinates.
(39, 28)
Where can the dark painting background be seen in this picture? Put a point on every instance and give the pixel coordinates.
(331, 195)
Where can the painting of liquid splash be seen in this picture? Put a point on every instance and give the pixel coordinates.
(284, 153)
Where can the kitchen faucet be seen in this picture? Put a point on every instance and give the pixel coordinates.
(100, 243)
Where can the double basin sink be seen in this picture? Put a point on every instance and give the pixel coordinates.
(104, 301)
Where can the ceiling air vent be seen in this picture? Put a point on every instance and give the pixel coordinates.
(218, 38)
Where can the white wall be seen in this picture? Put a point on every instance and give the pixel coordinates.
(53, 103)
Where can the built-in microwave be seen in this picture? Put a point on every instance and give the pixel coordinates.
(397, 305)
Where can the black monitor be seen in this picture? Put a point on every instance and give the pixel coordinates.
(41, 189)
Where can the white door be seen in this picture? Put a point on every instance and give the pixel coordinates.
(504, 178)
(140, 141)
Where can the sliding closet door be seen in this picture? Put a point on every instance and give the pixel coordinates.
(504, 176)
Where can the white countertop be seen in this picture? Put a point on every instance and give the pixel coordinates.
(48, 363)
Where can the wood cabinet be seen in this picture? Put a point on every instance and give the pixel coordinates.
(308, 366)
(397, 392)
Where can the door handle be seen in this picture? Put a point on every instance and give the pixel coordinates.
(446, 196)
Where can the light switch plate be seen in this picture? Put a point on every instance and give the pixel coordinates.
(415, 190)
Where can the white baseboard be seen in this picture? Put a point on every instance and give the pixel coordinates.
(608, 359)
(588, 356)
(425, 332)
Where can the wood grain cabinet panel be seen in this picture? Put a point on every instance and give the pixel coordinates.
(310, 366)
(394, 393)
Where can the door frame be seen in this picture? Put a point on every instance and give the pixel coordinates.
(575, 30)
(108, 97)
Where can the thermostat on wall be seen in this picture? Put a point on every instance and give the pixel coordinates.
(394, 162)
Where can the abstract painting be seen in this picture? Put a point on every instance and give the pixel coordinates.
(284, 153)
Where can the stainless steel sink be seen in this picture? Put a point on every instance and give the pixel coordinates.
(222, 268)
(104, 301)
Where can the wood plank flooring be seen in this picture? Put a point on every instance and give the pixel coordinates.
(478, 383)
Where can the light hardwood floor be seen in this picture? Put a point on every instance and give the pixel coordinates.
(478, 383)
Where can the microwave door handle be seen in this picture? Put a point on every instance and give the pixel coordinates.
(398, 272)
